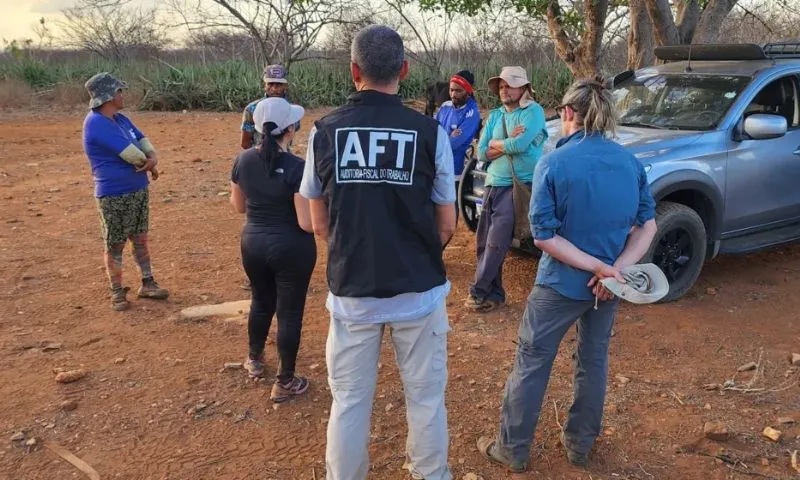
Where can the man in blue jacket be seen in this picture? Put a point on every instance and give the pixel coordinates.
(460, 118)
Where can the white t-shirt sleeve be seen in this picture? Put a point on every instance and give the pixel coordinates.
(311, 186)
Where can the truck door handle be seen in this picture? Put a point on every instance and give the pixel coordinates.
(796, 152)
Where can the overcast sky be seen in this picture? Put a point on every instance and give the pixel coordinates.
(19, 16)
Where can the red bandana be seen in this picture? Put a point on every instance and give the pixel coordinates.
(462, 82)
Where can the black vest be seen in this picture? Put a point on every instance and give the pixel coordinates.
(376, 161)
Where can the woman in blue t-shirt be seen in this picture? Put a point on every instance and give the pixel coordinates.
(278, 253)
(120, 156)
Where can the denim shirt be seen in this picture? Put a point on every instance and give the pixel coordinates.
(590, 191)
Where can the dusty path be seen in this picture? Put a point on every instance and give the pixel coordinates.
(131, 419)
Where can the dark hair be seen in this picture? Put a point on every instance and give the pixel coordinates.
(269, 148)
(378, 52)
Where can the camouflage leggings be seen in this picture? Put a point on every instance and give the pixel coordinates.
(122, 218)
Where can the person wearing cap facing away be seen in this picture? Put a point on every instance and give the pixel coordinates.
(592, 215)
(275, 85)
(460, 118)
(380, 179)
(120, 156)
(514, 132)
(278, 252)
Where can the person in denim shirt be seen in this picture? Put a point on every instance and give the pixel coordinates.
(591, 214)
(514, 132)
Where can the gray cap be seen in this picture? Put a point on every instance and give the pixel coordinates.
(102, 88)
(644, 283)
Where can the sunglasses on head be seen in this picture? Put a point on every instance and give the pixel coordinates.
(562, 107)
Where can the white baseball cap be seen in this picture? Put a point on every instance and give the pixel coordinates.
(279, 111)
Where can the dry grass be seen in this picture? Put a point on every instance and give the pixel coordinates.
(15, 94)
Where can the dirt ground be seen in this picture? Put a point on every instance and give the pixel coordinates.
(147, 371)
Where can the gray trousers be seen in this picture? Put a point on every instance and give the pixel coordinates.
(547, 318)
(494, 236)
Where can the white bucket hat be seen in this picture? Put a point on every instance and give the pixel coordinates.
(515, 77)
(644, 283)
(279, 111)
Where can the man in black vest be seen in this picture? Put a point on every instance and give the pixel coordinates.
(380, 180)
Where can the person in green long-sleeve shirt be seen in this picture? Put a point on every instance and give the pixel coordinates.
(514, 132)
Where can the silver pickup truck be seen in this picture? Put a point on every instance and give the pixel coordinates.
(717, 128)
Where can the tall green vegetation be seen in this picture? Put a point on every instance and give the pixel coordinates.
(228, 86)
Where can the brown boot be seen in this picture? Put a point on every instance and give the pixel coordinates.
(119, 300)
(150, 289)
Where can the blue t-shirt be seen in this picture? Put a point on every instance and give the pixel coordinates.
(103, 140)
(466, 119)
(590, 191)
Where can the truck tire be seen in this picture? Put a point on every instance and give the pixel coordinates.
(679, 247)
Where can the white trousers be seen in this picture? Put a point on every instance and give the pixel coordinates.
(352, 354)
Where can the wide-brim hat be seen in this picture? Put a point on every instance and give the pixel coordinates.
(644, 283)
(278, 111)
(515, 77)
(102, 88)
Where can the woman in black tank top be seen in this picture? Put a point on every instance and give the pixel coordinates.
(278, 252)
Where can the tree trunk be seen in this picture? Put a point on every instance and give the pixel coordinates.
(711, 20)
(583, 59)
(666, 32)
(640, 38)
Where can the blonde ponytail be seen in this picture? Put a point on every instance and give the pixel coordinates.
(593, 103)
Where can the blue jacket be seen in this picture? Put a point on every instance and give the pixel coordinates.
(467, 119)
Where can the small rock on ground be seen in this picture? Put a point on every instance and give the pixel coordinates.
(31, 442)
(119, 361)
(716, 431)
(795, 359)
(748, 366)
(772, 434)
(314, 366)
(389, 407)
(711, 291)
(70, 376)
(68, 405)
(17, 437)
(233, 365)
(786, 420)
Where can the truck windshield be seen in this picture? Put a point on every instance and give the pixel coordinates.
(677, 101)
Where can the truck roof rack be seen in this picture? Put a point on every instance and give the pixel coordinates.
(710, 52)
(720, 52)
(782, 50)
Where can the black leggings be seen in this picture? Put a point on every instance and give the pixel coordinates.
(279, 267)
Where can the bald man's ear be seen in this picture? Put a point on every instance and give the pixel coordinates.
(404, 70)
(355, 72)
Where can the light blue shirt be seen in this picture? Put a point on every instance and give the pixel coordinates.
(525, 149)
(406, 306)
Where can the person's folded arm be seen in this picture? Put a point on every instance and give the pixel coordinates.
(467, 128)
(532, 119)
